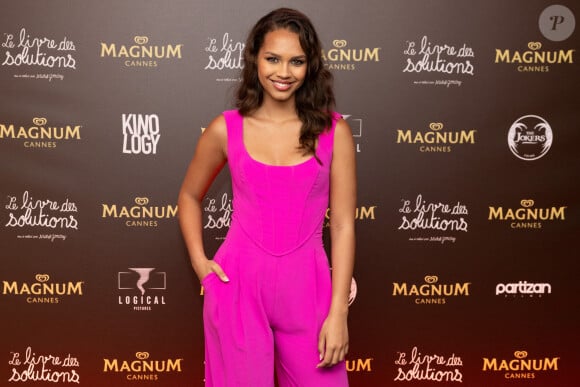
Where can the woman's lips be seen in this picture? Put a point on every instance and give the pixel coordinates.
(282, 86)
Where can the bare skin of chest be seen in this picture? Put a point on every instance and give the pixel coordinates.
(274, 143)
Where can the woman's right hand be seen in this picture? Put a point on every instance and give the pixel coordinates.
(210, 266)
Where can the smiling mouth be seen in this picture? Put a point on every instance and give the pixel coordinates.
(282, 86)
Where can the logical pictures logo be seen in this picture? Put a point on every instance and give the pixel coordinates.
(557, 23)
(142, 367)
(141, 214)
(47, 214)
(442, 59)
(342, 58)
(227, 57)
(42, 291)
(430, 367)
(431, 292)
(436, 139)
(530, 137)
(40, 135)
(142, 279)
(430, 217)
(356, 125)
(523, 288)
(140, 133)
(25, 51)
(527, 217)
(33, 367)
(521, 366)
(141, 54)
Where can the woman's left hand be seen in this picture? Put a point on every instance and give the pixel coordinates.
(333, 340)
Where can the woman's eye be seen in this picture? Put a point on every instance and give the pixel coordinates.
(272, 59)
(298, 62)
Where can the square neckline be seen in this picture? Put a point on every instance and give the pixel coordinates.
(304, 162)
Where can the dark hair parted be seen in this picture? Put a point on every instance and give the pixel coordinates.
(314, 99)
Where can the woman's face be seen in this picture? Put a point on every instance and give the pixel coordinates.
(281, 65)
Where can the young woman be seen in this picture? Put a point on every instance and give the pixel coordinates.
(270, 298)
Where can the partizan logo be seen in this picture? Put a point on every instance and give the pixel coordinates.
(523, 288)
(431, 292)
(341, 57)
(141, 214)
(40, 134)
(435, 139)
(42, 291)
(141, 54)
(530, 138)
(142, 367)
(521, 366)
(527, 216)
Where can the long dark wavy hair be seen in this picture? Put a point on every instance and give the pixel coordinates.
(314, 99)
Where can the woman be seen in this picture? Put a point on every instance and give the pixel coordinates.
(270, 298)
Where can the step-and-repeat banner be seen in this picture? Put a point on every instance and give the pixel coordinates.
(465, 120)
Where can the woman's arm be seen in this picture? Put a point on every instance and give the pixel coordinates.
(209, 158)
(333, 341)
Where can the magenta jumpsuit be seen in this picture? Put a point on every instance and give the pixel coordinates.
(271, 311)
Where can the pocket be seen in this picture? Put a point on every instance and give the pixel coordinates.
(209, 278)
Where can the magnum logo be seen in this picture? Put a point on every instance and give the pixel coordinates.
(359, 365)
(520, 367)
(431, 292)
(527, 217)
(42, 291)
(141, 54)
(141, 214)
(39, 134)
(534, 59)
(361, 213)
(435, 139)
(342, 58)
(142, 367)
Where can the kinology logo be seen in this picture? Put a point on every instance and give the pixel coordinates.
(142, 367)
(142, 279)
(42, 291)
(140, 133)
(530, 137)
(441, 59)
(431, 292)
(23, 50)
(523, 288)
(141, 214)
(141, 54)
(341, 57)
(40, 134)
(428, 367)
(33, 367)
(521, 366)
(527, 216)
(435, 139)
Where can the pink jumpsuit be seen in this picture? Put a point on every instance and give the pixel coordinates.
(271, 311)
